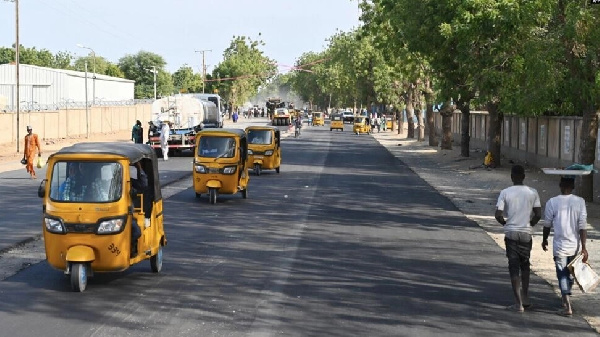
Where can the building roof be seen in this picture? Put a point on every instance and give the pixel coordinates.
(67, 72)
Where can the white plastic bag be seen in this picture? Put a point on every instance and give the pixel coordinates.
(586, 277)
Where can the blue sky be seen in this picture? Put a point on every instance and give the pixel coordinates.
(174, 29)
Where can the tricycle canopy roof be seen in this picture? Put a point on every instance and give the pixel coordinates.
(224, 132)
(134, 152)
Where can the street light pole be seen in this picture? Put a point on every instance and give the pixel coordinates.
(87, 108)
(203, 67)
(153, 71)
(94, 70)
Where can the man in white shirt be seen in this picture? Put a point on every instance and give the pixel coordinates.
(518, 202)
(567, 214)
(165, 130)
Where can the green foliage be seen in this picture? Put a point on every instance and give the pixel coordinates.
(244, 69)
(185, 80)
(138, 67)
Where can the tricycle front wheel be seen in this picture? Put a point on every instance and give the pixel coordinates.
(78, 277)
(212, 196)
(257, 169)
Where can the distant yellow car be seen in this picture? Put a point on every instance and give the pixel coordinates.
(361, 125)
(337, 122)
(318, 119)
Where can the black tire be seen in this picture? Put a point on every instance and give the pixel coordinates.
(156, 261)
(212, 196)
(277, 170)
(245, 193)
(78, 277)
(257, 169)
(198, 195)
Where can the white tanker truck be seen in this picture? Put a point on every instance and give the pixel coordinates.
(185, 115)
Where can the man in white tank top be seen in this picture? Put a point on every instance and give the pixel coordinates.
(517, 203)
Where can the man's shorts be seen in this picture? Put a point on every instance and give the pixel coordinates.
(518, 251)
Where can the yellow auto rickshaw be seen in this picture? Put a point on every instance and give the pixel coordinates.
(318, 119)
(337, 122)
(361, 125)
(102, 209)
(264, 148)
(221, 163)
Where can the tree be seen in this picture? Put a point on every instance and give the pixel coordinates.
(138, 68)
(244, 69)
(185, 80)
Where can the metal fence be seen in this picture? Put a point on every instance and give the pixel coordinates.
(34, 106)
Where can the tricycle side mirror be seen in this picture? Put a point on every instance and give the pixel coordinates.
(42, 189)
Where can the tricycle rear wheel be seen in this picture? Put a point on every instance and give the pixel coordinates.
(156, 261)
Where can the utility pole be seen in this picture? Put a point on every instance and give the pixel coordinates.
(17, 70)
(17, 66)
(203, 66)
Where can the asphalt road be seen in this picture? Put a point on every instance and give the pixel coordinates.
(345, 241)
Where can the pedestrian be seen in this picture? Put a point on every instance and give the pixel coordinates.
(566, 214)
(383, 122)
(165, 130)
(517, 203)
(137, 133)
(235, 117)
(32, 145)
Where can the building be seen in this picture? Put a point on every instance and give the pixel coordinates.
(49, 89)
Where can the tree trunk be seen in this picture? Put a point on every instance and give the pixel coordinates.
(400, 119)
(410, 113)
(446, 112)
(428, 94)
(495, 133)
(465, 125)
(587, 150)
(420, 123)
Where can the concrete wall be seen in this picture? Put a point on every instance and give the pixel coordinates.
(68, 123)
(541, 141)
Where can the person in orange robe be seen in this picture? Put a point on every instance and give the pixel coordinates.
(31, 143)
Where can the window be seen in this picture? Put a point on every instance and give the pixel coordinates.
(75, 181)
(216, 147)
(260, 137)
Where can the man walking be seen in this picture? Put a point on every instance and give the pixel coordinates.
(165, 130)
(567, 215)
(32, 145)
(518, 201)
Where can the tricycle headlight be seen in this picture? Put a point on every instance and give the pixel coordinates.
(54, 225)
(250, 151)
(111, 226)
(269, 153)
(200, 168)
(229, 170)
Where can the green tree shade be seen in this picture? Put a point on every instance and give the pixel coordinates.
(309, 77)
(244, 69)
(62, 60)
(31, 56)
(138, 67)
(7, 55)
(185, 80)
